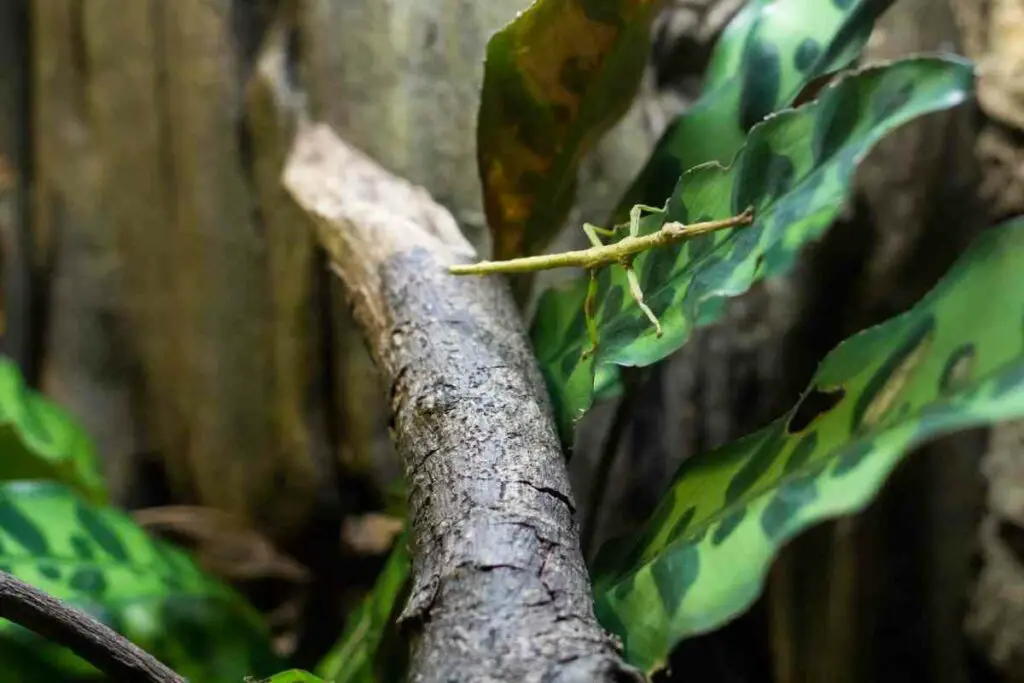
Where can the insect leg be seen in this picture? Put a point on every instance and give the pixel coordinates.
(588, 314)
(593, 233)
(634, 217)
(638, 296)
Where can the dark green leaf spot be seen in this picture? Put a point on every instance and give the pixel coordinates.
(754, 467)
(89, 581)
(729, 524)
(806, 54)
(22, 529)
(49, 570)
(674, 577)
(765, 175)
(101, 532)
(802, 452)
(834, 125)
(679, 528)
(813, 405)
(959, 368)
(852, 456)
(787, 502)
(82, 547)
(762, 77)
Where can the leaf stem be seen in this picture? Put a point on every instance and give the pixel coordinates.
(596, 257)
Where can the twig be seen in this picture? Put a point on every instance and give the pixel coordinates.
(601, 255)
(596, 257)
(97, 644)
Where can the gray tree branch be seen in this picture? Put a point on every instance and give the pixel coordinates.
(500, 590)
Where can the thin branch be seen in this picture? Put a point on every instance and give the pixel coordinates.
(499, 588)
(596, 257)
(97, 644)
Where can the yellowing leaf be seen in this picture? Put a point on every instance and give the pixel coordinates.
(555, 80)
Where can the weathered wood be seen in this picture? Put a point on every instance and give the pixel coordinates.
(500, 591)
(209, 286)
(87, 362)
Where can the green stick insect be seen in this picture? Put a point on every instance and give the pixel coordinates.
(600, 255)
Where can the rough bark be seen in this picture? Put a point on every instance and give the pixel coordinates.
(500, 591)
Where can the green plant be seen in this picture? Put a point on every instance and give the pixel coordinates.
(57, 534)
(781, 127)
(886, 390)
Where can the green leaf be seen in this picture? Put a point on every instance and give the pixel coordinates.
(293, 676)
(370, 651)
(555, 80)
(98, 560)
(771, 51)
(39, 440)
(771, 55)
(954, 361)
(795, 170)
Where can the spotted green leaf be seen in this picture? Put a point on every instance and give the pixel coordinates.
(954, 361)
(795, 170)
(293, 676)
(369, 651)
(766, 56)
(99, 560)
(38, 440)
(555, 80)
(770, 56)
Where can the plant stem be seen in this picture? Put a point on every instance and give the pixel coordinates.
(97, 644)
(609, 450)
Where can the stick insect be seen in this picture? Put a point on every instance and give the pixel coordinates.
(600, 255)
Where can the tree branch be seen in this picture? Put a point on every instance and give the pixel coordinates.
(105, 649)
(500, 590)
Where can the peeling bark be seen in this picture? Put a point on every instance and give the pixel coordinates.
(500, 591)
